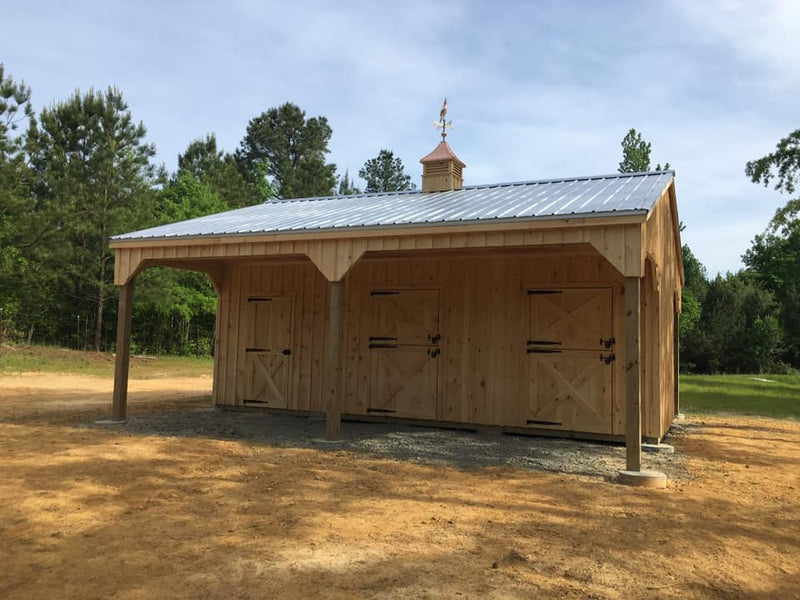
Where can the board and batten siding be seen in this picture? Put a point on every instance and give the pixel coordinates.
(483, 316)
(662, 284)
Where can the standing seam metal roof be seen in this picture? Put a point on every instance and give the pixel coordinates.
(601, 195)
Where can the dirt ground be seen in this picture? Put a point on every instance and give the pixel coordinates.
(187, 502)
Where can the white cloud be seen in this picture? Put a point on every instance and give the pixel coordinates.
(765, 33)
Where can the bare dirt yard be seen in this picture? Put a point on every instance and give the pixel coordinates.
(187, 502)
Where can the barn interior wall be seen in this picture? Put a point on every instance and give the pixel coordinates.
(483, 317)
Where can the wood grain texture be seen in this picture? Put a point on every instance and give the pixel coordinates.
(119, 402)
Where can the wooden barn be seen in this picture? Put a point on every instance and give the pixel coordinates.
(545, 307)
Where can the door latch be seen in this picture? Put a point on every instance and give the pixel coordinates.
(608, 343)
(434, 339)
(434, 352)
(608, 358)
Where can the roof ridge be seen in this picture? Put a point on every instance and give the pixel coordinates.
(478, 186)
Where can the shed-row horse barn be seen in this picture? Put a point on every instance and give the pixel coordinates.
(547, 307)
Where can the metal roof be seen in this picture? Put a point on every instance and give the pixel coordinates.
(602, 195)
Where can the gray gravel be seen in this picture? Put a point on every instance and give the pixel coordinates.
(457, 448)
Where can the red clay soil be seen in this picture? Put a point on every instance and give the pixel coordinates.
(94, 513)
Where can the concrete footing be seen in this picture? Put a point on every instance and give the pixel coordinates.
(659, 448)
(109, 422)
(649, 479)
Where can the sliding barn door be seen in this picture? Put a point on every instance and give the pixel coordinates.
(404, 349)
(570, 350)
(267, 350)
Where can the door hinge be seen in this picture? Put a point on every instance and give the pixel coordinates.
(384, 293)
(536, 292)
(608, 358)
(286, 351)
(259, 299)
(538, 422)
(256, 349)
(543, 350)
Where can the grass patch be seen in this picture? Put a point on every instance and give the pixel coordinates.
(47, 359)
(743, 394)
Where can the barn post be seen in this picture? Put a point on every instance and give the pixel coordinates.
(633, 370)
(633, 473)
(119, 406)
(333, 355)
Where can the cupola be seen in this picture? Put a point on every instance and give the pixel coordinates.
(442, 170)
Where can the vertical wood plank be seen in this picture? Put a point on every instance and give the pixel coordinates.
(633, 392)
(676, 358)
(119, 404)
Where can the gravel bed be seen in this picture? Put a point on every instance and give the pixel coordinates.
(426, 445)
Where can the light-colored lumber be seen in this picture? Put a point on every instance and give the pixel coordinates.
(633, 393)
(333, 355)
(119, 406)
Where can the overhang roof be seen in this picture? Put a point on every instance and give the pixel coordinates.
(613, 195)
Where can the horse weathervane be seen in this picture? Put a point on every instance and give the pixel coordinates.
(442, 123)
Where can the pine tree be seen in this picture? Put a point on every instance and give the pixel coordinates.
(347, 185)
(93, 176)
(219, 171)
(15, 204)
(294, 148)
(384, 173)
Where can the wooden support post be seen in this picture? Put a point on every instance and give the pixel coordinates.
(676, 366)
(333, 355)
(633, 369)
(119, 405)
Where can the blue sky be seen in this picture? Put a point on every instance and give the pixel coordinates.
(536, 90)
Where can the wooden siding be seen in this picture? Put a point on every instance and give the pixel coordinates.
(662, 281)
(480, 273)
(483, 320)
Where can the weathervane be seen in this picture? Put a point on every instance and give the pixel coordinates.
(442, 123)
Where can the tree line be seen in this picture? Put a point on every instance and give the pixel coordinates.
(748, 321)
(82, 170)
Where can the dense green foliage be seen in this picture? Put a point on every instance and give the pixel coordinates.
(384, 173)
(295, 148)
(774, 257)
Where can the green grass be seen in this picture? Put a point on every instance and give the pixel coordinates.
(47, 359)
(742, 394)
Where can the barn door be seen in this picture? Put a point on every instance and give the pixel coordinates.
(267, 350)
(404, 349)
(570, 353)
